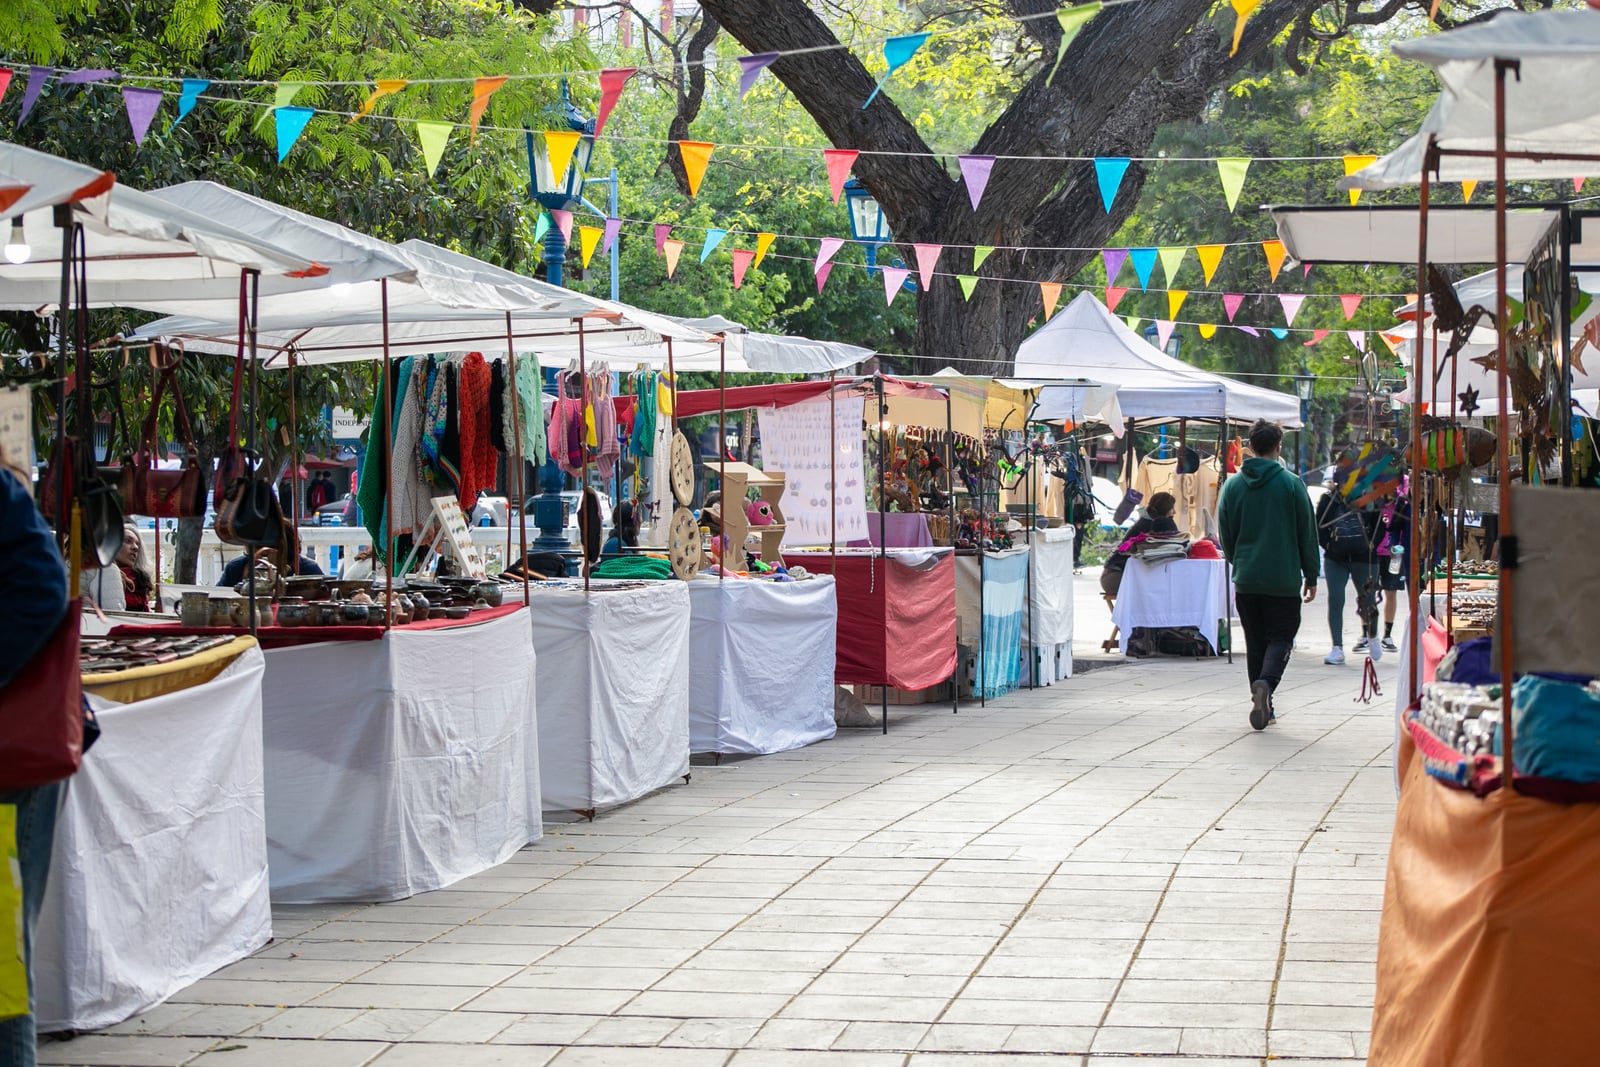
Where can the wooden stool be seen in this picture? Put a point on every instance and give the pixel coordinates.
(1114, 642)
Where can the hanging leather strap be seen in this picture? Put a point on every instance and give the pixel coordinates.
(238, 363)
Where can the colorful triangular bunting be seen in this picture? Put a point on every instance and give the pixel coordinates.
(613, 227)
(1242, 10)
(1232, 171)
(1050, 293)
(1108, 172)
(927, 260)
(588, 241)
(969, 282)
(696, 156)
(975, 171)
(893, 279)
(559, 145)
(1172, 258)
(37, 76)
(826, 248)
(1114, 295)
(560, 216)
(1144, 264)
(763, 242)
(381, 88)
(611, 85)
(142, 105)
(898, 51)
(1210, 259)
(1163, 333)
(1231, 303)
(1291, 306)
(838, 161)
(289, 123)
(1353, 164)
(433, 136)
(1350, 302)
(1175, 299)
(979, 254)
(742, 258)
(1276, 254)
(1113, 258)
(822, 275)
(713, 239)
(1072, 20)
(1208, 330)
(750, 68)
(671, 250)
(663, 231)
(1316, 338)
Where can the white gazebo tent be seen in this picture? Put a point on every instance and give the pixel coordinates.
(1084, 340)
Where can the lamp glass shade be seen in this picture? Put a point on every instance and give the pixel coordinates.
(867, 222)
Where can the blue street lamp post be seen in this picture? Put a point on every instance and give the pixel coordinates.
(870, 228)
(1304, 385)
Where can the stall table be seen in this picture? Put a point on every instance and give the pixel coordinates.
(1047, 625)
(400, 764)
(761, 662)
(991, 605)
(613, 690)
(897, 614)
(1180, 592)
(158, 875)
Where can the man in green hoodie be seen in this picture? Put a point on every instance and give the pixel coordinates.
(1270, 537)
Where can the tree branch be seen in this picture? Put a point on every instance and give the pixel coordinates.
(691, 94)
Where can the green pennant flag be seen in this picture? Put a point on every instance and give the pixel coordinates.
(433, 136)
(541, 226)
(1232, 172)
(968, 282)
(283, 96)
(1171, 259)
(1072, 20)
(1133, 322)
(979, 254)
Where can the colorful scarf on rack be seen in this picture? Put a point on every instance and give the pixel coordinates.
(477, 463)
(644, 385)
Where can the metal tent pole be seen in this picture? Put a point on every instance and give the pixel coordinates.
(883, 541)
(1414, 592)
(583, 483)
(950, 479)
(722, 457)
(388, 446)
(250, 431)
(518, 459)
(1508, 539)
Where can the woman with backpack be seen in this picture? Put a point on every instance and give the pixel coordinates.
(1348, 538)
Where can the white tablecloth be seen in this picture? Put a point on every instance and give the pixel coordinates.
(1183, 592)
(400, 765)
(1047, 631)
(761, 660)
(159, 871)
(613, 692)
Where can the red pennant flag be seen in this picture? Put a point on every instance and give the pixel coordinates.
(1114, 295)
(741, 263)
(927, 259)
(1316, 338)
(1350, 301)
(482, 90)
(5, 83)
(839, 162)
(611, 83)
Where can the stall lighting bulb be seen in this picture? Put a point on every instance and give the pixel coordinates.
(17, 250)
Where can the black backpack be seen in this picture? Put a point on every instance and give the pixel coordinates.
(1347, 537)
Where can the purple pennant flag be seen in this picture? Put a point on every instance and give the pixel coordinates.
(750, 68)
(975, 172)
(1113, 258)
(1251, 330)
(613, 227)
(86, 77)
(142, 106)
(37, 76)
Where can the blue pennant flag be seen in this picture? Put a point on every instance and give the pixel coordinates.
(290, 123)
(1144, 261)
(1108, 171)
(192, 88)
(713, 239)
(1278, 331)
(898, 51)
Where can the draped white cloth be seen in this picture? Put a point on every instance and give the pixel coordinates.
(1181, 592)
(1047, 629)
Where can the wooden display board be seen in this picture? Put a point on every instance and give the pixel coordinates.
(737, 481)
(447, 530)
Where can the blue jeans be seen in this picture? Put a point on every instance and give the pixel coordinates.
(36, 830)
(1357, 573)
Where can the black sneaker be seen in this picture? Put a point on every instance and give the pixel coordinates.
(1260, 704)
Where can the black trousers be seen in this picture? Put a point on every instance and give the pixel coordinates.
(1270, 624)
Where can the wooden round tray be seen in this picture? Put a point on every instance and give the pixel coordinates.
(683, 544)
(682, 470)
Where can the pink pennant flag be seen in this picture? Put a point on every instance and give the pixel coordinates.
(663, 231)
(1350, 302)
(750, 68)
(975, 172)
(1307, 272)
(1577, 184)
(1163, 333)
(1291, 305)
(839, 162)
(1231, 303)
(1114, 295)
(613, 227)
(563, 221)
(826, 248)
(893, 279)
(142, 106)
(87, 77)
(611, 83)
(822, 275)
(1113, 258)
(1357, 338)
(1316, 338)
(741, 263)
(927, 259)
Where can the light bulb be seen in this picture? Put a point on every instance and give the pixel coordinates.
(17, 250)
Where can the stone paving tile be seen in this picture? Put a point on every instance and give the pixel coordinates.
(1111, 869)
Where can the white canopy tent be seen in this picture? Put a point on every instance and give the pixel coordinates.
(979, 402)
(1550, 104)
(1084, 340)
(1457, 234)
(780, 354)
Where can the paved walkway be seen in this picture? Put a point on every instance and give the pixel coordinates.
(1111, 867)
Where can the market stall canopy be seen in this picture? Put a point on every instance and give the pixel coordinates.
(705, 401)
(976, 403)
(138, 249)
(1550, 102)
(1457, 234)
(1085, 340)
(778, 354)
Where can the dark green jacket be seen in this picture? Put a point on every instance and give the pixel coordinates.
(1268, 532)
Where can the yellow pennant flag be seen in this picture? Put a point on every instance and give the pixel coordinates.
(1467, 189)
(1276, 254)
(1050, 293)
(1210, 258)
(482, 90)
(1242, 9)
(1208, 330)
(672, 250)
(559, 146)
(1175, 299)
(763, 242)
(1353, 164)
(382, 87)
(588, 241)
(696, 155)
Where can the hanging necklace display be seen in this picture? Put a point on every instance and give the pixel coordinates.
(683, 544)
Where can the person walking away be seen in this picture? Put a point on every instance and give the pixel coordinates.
(33, 601)
(1394, 568)
(1269, 536)
(1348, 538)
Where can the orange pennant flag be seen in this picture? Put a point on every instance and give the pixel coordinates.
(1350, 302)
(482, 90)
(559, 146)
(1393, 342)
(1276, 254)
(588, 241)
(1242, 10)
(383, 87)
(696, 155)
(1050, 292)
(1210, 259)
(1467, 189)
(672, 250)
(1353, 164)
(763, 242)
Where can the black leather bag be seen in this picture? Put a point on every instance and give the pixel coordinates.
(248, 514)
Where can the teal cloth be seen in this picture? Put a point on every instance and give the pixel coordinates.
(1005, 585)
(1268, 531)
(369, 493)
(1558, 729)
(530, 411)
(634, 567)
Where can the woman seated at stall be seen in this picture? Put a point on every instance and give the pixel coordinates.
(138, 577)
(1157, 520)
(624, 530)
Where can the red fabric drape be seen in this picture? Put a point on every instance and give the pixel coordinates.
(477, 446)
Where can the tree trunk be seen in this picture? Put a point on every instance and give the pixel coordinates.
(186, 550)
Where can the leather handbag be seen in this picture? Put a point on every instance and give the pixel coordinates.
(41, 713)
(248, 513)
(99, 502)
(235, 461)
(158, 493)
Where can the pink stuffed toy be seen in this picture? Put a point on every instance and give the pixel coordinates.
(759, 512)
